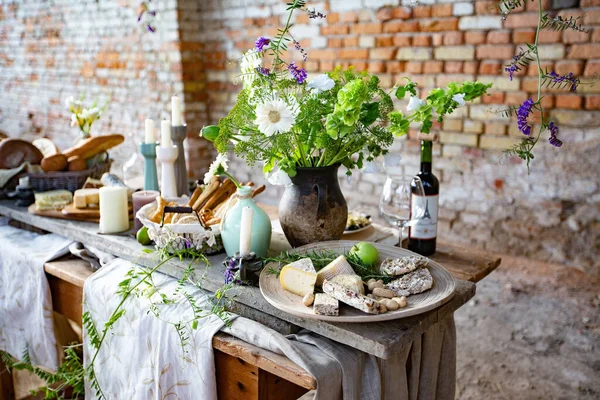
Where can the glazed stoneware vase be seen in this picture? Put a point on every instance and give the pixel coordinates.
(313, 208)
(260, 239)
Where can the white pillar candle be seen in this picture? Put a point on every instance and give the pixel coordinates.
(114, 209)
(150, 138)
(176, 111)
(246, 231)
(165, 134)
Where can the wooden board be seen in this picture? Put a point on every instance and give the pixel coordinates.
(58, 214)
(440, 293)
(70, 210)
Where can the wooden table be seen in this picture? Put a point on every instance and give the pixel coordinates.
(245, 371)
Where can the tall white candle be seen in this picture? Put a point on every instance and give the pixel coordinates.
(176, 111)
(150, 138)
(165, 134)
(246, 231)
(114, 212)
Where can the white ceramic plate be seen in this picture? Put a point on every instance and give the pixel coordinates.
(440, 293)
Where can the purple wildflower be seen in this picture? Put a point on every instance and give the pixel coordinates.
(511, 69)
(554, 141)
(313, 14)
(263, 71)
(299, 47)
(523, 114)
(230, 271)
(556, 78)
(151, 28)
(299, 74)
(261, 43)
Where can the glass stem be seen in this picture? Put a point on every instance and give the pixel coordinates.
(400, 233)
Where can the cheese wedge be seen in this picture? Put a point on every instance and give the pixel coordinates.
(304, 264)
(338, 266)
(84, 197)
(52, 200)
(297, 281)
(352, 282)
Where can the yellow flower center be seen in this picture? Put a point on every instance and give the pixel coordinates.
(274, 116)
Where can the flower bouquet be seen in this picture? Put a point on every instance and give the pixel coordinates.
(302, 130)
(83, 117)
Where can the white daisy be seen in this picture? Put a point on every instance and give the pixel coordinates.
(459, 98)
(321, 83)
(248, 64)
(278, 177)
(414, 104)
(274, 117)
(216, 168)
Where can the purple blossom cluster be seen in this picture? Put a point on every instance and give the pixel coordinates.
(230, 270)
(313, 14)
(569, 78)
(150, 15)
(299, 74)
(523, 114)
(554, 141)
(261, 43)
(299, 47)
(264, 71)
(513, 67)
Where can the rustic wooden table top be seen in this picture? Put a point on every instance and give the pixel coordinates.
(379, 339)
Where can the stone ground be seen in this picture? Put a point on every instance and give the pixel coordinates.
(531, 332)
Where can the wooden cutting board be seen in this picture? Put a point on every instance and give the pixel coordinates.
(70, 210)
(60, 215)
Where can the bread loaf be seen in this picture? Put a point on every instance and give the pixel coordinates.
(14, 152)
(94, 145)
(77, 163)
(57, 162)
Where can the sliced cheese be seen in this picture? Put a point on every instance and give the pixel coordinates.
(338, 266)
(297, 281)
(52, 200)
(352, 282)
(304, 264)
(326, 305)
(83, 198)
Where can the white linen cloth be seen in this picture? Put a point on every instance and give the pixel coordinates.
(143, 359)
(26, 321)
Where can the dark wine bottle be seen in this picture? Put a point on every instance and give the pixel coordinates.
(422, 234)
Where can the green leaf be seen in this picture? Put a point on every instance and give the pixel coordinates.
(400, 92)
(369, 113)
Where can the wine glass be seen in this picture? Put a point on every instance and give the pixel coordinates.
(395, 201)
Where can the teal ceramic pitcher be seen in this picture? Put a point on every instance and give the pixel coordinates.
(260, 238)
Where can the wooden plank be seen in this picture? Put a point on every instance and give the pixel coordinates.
(272, 387)
(66, 298)
(466, 263)
(72, 270)
(7, 388)
(268, 361)
(236, 379)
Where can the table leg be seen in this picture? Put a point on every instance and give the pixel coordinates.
(7, 389)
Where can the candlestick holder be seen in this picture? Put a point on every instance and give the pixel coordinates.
(167, 157)
(148, 150)
(178, 135)
(249, 266)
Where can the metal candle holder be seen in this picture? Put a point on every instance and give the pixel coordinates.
(249, 266)
(178, 135)
(148, 150)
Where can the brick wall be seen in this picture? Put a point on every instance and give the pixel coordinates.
(552, 214)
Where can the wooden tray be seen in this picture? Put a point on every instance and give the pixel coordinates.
(70, 210)
(440, 293)
(60, 215)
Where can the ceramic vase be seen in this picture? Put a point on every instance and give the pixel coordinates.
(260, 238)
(313, 209)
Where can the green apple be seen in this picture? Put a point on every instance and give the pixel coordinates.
(366, 252)
(142, 236)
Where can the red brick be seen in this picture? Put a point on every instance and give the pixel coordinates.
(493, 98)
(376, 67)
(334, 42)
(453, 38)
(367, 28)
(596, 35)
(439, 25)
(394, 67)
(533, 5)
(565, 66)
(532, 70)
(498, 37)
(442, 10)
(422, 12)
(590, 3)
(568, 101)
(453, 67)
(592, 102)
(495, 52)
(521, 36)
(470, 67)
(486, 7)
(402, 41)
(592, 68)
(514, 99)
(325, 66)
(402, 12)
(384, 14)
(475, 37)
(382, 53)
(525, 20)
(437, 39)
(323, 54)
(311, 65)
(548, 102)
(570, 36)
(350, 54)
(327, 30)
(421, 40)
(547, 36)
(400, 26)
(350, 16)
(584, 51)
(414, 67)
(591, 17)
(490, 68)
(301, 18)
(333, 18)
(384, 41)
(433, 67)
(350, 41)
(529, 84)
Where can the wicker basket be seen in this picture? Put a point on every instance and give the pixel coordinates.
(71, 181)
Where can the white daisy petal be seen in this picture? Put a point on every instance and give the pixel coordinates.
(274, 117)
(220, 161)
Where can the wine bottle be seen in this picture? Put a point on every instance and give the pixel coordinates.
(422, 234)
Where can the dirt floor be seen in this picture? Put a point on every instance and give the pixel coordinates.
(531, 332)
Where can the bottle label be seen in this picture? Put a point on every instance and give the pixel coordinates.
(424, 210)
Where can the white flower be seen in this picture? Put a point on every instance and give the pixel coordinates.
(459, 98)
(248, 64)
(274, 117)
(278, 177)
(414, 104)
(74, 121)
(321, 83)
(90, 113)
(69, 102)
(217, 166)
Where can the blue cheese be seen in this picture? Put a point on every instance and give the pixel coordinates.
(304, 264)
(352, 282)
(326, 305)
